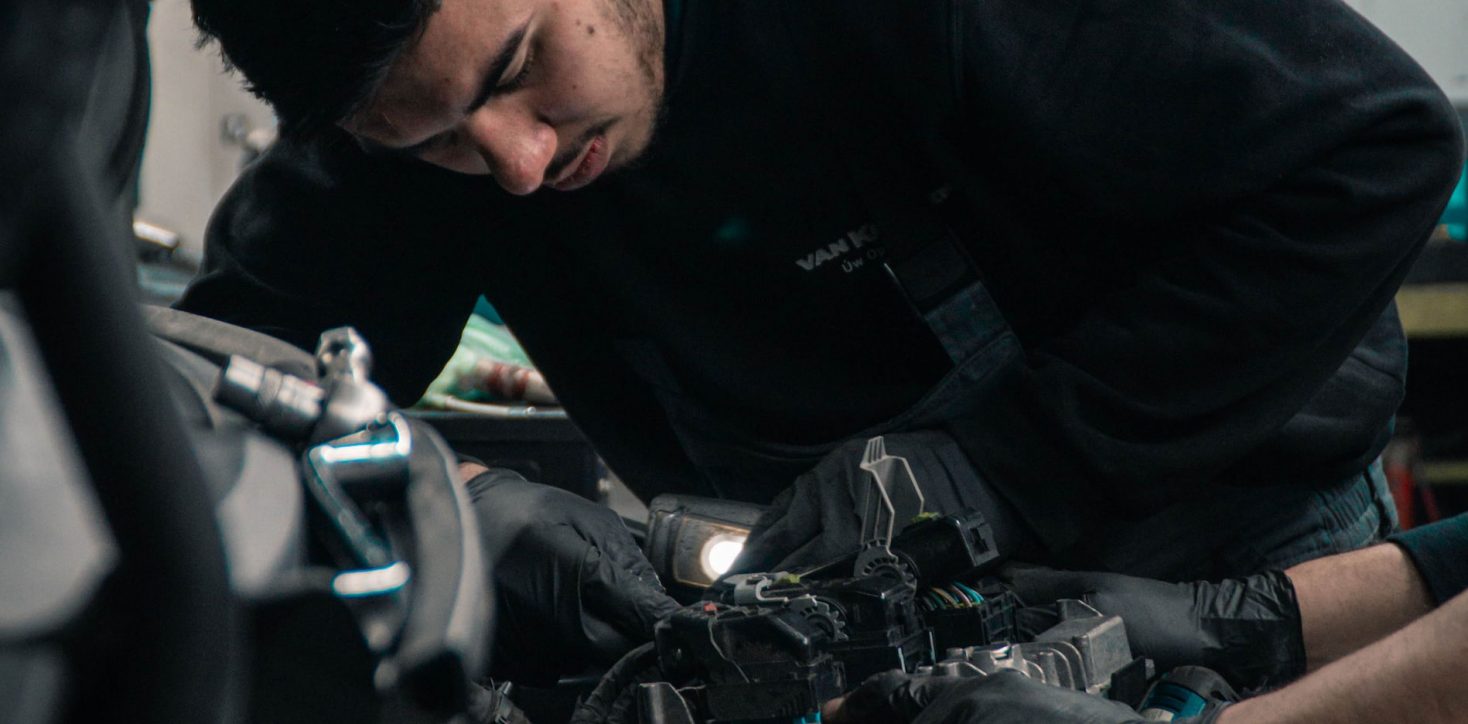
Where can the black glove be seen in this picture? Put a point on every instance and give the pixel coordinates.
(571, 585)
(1247, 629)
(816, 520)
(1008, 697)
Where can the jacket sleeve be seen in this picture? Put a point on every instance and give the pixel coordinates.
(314, 236)
(1267, 170)
(1440, 552)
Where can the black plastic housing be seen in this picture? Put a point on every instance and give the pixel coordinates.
(755, 663)
(988, 623)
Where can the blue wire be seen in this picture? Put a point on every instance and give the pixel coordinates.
(975, 595)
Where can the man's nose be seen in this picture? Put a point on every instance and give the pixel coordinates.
(517, 147)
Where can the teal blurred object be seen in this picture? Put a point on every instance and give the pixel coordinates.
(484, 309)
(1455, 217)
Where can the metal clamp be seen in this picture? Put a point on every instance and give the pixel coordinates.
(376, 457)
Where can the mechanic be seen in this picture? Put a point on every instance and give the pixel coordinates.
(1356, 619)
(1117, 274)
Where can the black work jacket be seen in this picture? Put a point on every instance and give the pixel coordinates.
(1192, 214)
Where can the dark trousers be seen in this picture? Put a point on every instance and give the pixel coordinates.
(1242, 530)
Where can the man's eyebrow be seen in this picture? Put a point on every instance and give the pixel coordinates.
(497, 67)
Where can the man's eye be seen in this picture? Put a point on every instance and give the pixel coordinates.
(520, 78)
(435, 145)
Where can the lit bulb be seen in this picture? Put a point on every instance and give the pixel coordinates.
(719, 554)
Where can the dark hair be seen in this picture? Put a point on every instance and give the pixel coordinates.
(315, 61)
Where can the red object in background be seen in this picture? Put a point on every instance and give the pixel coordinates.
(1430, 511)
(1416, 504)
(508, 382)
(1399, 461)
(1403, 486)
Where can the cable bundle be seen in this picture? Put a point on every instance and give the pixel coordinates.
(952, 596)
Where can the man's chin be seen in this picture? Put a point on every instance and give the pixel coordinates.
(633, 152)
(628, 157)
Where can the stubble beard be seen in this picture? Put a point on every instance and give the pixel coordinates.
(642, 24)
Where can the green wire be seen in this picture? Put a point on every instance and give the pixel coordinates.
(947, 597)
(963, 600)
(978, 597)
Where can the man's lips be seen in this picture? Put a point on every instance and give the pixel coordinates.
(593, 162)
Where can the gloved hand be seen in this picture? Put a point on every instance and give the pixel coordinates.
(816, 520)
(1008, 697)
(571, 585)
(1247, 629)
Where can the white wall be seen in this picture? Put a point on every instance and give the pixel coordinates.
(1435, 32)
(187, 164)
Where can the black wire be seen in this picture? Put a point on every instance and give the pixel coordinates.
(600, 706)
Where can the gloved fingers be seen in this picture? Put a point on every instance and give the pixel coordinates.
(553, 524)
(948, 480)
(1031, 621)
(817, 550)
(569, 577)
(622, 551)
(619, 605)
(627, 571)
(489, 479)
(1041, 585)
(1159, 616)
(1010, 697)
(537, 568)
(1247, 629)
(792, 521)
(817, 520)
(832, 531)
(1110, 593)
(891, 696)
(536, 602)
(511, 510)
